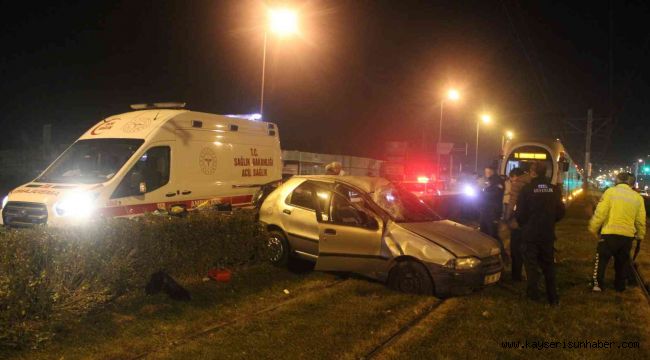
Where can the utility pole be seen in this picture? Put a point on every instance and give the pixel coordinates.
(587, 169)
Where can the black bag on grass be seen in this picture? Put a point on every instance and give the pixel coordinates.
(161, 281)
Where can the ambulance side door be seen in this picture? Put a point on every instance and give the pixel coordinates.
(149, 183)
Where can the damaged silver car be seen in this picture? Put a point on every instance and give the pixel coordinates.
(373, 227)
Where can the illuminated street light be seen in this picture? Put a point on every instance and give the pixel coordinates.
(452, 95)
(283, 23)
(486, 119)
(510, 135)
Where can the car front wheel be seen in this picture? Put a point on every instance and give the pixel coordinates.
(410, 277)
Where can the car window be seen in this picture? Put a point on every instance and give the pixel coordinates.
(344, 213)
(349, 207)
(351, 194)
(152, 168)
(303, 195)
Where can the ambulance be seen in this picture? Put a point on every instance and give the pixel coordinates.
(159, 157)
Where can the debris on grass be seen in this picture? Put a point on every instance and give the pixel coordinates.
(220, 275)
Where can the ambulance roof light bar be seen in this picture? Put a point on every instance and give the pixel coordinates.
(159, 105)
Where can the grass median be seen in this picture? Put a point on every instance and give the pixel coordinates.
(349, 319)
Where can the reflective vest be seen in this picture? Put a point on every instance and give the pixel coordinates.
(621, 211)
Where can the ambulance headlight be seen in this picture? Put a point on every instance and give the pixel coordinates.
(4, 201)
(80, 204)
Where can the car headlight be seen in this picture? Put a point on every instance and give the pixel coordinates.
(80, 204)
(465, 263)
(4, 201)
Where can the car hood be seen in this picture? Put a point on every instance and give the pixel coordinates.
(459, 239)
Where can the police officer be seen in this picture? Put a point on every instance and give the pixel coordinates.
(539, 207)
(491, 203)
(619, 218)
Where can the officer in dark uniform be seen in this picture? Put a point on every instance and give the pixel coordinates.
(539, 207)
(491, 203)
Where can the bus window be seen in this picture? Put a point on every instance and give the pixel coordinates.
(523, 156)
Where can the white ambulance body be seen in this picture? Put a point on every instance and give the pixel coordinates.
(155, 158)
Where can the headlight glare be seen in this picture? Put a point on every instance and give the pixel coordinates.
(79, 204)
(469, 190)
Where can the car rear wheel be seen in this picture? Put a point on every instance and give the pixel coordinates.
(410, 277)
(278, 248)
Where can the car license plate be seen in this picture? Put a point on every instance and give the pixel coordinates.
(492, 278)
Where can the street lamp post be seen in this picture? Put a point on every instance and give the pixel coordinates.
(452, 95)
(281, 22)
(486, 120)
(263, 75)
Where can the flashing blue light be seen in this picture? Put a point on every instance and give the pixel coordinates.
(469, 190)
(253, 117)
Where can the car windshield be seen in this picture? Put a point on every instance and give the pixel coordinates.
(402, 205)
(91, 161)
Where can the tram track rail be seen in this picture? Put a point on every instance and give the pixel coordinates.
(393, 337)
(237, 320)
(638, 276)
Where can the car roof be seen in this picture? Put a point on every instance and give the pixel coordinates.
(366, 183)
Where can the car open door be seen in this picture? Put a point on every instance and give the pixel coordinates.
(349, 237)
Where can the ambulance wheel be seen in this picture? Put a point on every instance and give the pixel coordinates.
(278, 248)
(410, 277)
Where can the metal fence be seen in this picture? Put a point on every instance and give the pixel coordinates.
(307, 163)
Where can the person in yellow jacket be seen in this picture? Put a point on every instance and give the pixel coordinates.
(619, 219)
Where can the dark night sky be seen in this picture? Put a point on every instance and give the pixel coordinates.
(361, 73)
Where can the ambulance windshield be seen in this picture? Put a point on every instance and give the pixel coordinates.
(91, 161)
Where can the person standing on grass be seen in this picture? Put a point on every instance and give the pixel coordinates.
(539, 207)
(619, 219)
(491, 203)
(491, 206)
(506, 193)
(518, 179)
